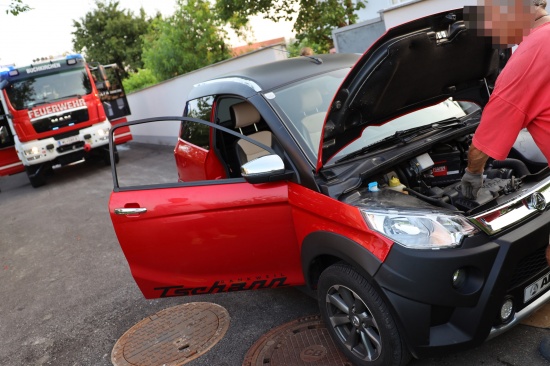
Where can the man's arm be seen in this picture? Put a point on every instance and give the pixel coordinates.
(476, 160)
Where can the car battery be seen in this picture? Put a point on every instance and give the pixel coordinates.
(446, 168)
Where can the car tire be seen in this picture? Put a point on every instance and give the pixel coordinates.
(358, 319)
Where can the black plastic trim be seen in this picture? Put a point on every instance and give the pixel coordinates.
(418, 284)
(324, 243)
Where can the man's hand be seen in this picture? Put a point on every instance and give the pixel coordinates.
(470, 184)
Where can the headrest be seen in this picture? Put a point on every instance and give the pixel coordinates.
(244, 114)
(311, 99)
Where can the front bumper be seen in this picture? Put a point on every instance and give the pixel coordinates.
(436, 316)
(58, 148)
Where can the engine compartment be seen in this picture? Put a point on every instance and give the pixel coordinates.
(434, 178)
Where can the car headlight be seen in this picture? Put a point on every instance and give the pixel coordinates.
(420, 229)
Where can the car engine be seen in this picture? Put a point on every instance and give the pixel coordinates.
(434, 177)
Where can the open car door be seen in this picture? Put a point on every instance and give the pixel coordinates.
(184, 238)
(112, 95)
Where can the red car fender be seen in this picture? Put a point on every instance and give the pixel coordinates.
(315, 212)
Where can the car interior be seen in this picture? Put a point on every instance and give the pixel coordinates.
(244, 118)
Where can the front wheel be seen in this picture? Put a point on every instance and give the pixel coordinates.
(358, 319)
(36, 175)
(107, 156)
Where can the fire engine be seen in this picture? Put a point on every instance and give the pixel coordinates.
(58, 112)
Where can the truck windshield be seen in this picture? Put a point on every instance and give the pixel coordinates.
(46, 88)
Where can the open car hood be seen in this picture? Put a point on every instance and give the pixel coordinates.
(411, 66)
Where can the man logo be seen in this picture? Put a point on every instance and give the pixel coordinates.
(537, 201)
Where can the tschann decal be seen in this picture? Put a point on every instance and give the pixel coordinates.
(221, 286)
(56, 108)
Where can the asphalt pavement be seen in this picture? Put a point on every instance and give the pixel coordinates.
(68, 295)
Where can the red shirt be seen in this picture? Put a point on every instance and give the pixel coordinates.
(521, 99)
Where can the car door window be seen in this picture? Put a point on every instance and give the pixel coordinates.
(194, 133)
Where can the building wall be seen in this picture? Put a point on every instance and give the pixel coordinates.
(168, 98)
(415, 9)
(358, 37)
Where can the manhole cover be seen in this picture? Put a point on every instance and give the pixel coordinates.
(304, 341)
(173, 336)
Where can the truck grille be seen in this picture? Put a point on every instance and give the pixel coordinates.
(53, 122)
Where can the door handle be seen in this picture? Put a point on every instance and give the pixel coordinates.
(130, 211)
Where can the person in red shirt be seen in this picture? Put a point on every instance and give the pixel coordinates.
(521, 98)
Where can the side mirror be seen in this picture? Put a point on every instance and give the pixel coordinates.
(102, 85)
(268, 168)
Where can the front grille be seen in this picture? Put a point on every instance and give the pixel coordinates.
(529, 267)
(54, 122)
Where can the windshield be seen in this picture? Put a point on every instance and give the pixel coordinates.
(46, 88)
(303, 106)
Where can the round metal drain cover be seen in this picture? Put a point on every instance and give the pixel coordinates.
(304, 341)
(173, 336)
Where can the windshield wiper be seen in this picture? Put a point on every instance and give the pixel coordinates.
(55, 100)
(39, 103)
(67, 97)
(403, 137)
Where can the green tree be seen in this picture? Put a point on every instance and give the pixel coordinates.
(295, 46)
(190, 39)
(17, 6)
(111, 35)
(315, 19)
(139, 80)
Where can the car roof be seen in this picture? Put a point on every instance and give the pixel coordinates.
(263, 78)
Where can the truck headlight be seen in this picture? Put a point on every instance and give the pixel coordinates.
(419, 229)
(102, 132)
(32, 151)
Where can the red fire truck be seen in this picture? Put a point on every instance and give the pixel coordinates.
(58, 112)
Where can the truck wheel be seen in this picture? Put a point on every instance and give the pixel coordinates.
(358, 320)
(36, 176)
(107, 157)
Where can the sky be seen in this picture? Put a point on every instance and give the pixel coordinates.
(46, 30)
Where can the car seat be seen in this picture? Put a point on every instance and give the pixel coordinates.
(245, 114)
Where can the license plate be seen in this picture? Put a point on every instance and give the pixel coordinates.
(68, 140)
(537, 287)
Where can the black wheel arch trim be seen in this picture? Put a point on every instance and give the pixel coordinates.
(321, 244)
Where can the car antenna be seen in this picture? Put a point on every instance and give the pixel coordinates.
(316, 60)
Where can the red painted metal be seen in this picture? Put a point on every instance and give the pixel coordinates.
(122, 134)
(313, 211)
(224, 237)
(9, 162)
(211, 238)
